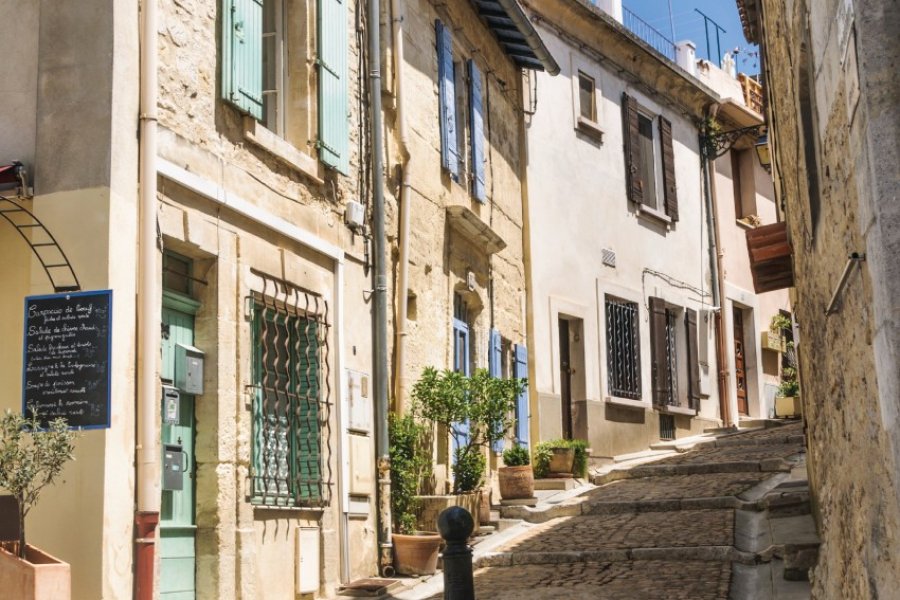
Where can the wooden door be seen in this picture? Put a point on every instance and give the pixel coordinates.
(177, 524)
(740, 375)
(565, 378)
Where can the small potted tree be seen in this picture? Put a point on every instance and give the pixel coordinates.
(32, 458)
(560, 459)
(516, 476)
(415, 552)
(787, 400)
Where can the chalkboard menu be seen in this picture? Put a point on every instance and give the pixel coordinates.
(66, 371)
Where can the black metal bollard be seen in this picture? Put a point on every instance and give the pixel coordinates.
(456, 525)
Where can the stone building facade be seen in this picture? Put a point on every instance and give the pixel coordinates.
(834, 121)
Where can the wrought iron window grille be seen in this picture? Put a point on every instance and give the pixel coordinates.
(623, 348)
(291, 397)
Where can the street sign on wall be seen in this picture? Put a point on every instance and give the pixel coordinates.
(66, 367)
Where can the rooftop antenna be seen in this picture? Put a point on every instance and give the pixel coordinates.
(706, 22)
(672, 22)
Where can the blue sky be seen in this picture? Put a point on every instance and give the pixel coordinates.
(689, 26)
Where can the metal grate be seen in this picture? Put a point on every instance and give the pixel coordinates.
(671, 358)
(608, 257)
(623, 348)
(666, 427)
(649, 34)
(292, 404)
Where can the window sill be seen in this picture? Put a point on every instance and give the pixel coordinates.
(589, 128)
(314, 511)
(654, 214)
(678, 410)
(262, 138)
(627, 402)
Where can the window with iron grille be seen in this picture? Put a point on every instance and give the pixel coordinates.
(623, 348)
(671, 366)
(291, 408)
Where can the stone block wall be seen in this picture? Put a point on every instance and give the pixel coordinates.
(832, 96)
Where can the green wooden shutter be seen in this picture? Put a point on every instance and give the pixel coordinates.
(242, 77)
(668, 165)
(307, 431)
(334, 112)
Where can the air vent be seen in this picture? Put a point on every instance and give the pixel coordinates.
(609, 258)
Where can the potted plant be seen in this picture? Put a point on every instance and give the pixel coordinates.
(560, 458)
(516, 477)
(787, 400)
(477, 412)
(31, 458)
(415, 552)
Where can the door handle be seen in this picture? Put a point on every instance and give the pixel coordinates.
(185, 463)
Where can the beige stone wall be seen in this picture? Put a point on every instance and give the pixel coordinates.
(439, 255)
(848, 359)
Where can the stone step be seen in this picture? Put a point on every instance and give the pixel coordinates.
(565, 484)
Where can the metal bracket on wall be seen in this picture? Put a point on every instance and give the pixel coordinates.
(854, 259)
(715, 144)
(45, 247)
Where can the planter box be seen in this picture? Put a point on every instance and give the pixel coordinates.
(772, 341)
(789, 406)
(416, 554)
(431, 506)
(39, 577)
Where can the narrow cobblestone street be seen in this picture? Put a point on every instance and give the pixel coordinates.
(703, 524)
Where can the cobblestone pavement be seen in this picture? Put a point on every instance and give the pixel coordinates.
(647, 548)
(629, 530)
(627, 580)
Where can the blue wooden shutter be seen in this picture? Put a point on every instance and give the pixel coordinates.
(460, 430)
(477, 130)
(334, 112)
(520, 371)
(242, 77)
(447, 93)
(495, 368)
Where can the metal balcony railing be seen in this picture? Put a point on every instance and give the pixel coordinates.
(646, 32)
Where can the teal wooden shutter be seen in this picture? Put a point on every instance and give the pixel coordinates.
(495, 368)
(334, 112)
(447, 94)
(307, 432)
(520, 371)
(477, 129)
(242, 77)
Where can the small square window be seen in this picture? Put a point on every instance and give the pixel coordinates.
(587, 102)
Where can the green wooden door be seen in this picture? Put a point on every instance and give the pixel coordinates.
(177, 527)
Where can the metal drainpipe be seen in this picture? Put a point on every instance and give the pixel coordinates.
(403, 238)
(149, 317)
(380, 379)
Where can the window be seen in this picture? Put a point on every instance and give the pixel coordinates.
(623, 352)
(743, 178)
(649, 160)
(288, 409)
(587, 102)
(675, 361)
(460, 91)
(268, 70)
(177, 273)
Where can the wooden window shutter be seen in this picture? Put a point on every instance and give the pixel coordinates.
(520, 371)
(242, 76)
(659, 360)
(447, 95)
(693, 358)
(334, 102)
(495, 359)
(668, 168)
(633, 159)
(477, 131)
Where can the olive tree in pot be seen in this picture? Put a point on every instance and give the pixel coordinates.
(32, 458)
(415, 552)
(477, 412)
(517, 476)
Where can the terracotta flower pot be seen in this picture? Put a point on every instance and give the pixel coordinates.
(38, 577)
(416, 554)
(562, 461)
(516, 482)
(484, 506)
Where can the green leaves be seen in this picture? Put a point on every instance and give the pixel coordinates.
(410, 452)
(543, 452)
(31, 459)
(517, 456)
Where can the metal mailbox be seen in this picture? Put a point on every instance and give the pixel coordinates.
(188, 369)
(173, 467)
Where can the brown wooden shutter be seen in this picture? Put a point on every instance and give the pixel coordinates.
(633, 164)
(693, 358)
(659, 360)
(668, 165)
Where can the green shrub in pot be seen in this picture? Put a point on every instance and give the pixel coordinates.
(517, 456)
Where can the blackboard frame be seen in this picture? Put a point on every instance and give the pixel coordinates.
(69, 295)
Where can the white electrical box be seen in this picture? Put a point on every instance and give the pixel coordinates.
(308, 560)
(360, 403)
(355, 214)
(188, 369)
